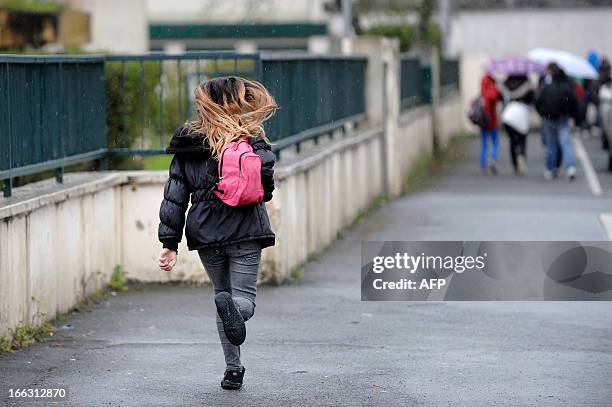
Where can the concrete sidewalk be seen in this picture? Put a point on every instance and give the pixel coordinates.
(314, 343)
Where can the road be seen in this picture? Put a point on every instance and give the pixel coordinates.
(313, 343)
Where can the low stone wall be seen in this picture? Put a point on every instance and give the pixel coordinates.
(141, 198)
(320, 195)
(415, 131)
(316, 197)
(415, 138)
(449, 117)
(56, 248)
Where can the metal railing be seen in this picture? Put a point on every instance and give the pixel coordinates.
(449, 75)
(65, 110)
(316, 95)
(416, 83)
(150, 95)
(410, 82)
(59, 111)
(52, 114)
(426, 84)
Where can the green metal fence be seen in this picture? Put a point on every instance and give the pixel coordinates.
(150, 95)
(416, 83)
(426, 84)
(61, 110)
(449, 74)
(410, 82)
(315, 94)
(52, 114)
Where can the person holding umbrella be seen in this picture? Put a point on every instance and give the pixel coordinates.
(557, 103)
(518, 94)
(572, 65)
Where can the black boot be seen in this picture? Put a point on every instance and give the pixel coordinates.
(233, 379)
(233, 323)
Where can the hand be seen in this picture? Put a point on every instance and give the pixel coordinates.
(167, 259)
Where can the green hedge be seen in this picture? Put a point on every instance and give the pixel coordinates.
(406, 34)
(32, 6)
(152, 113)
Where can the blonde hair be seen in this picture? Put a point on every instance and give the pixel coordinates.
(230, 109)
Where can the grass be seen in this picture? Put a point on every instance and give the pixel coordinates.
(430, 165)
(24, 335)
(156, 162)
(295, 274)
(375, 204)
(5, 345)
(117, 281)
(34, 6)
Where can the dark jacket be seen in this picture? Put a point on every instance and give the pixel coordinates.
(518, 89)
(557, 99)
(210, 222)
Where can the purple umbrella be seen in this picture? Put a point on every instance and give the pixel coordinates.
(518, 65)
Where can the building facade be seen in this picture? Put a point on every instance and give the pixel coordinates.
(243, 25)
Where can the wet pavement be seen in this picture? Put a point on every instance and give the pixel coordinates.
(314, 343)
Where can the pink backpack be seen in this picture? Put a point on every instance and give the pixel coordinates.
(239, 175)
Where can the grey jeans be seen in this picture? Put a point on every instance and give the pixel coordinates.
(233, 269)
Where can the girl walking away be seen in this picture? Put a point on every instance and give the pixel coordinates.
(518, 94)
(223, 164)
(488, 130)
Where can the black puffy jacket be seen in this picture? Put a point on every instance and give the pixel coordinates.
(557, 99)
(210, 222)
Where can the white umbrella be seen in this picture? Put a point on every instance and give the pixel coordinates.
(573, 65)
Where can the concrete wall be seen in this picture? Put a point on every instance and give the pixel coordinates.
(228, 11)
(383, 102)
(320, 195)
(117, 26)
(502, 32)
(141, 197)
(449, 118)
(415, 138)
(55, 249)
(479, 35)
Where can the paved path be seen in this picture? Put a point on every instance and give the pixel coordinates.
(315, 344)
